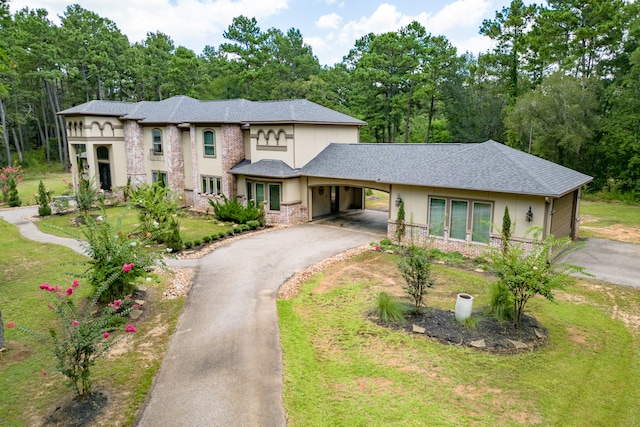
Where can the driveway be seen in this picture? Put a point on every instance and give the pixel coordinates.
(609, 261)
(224, 363)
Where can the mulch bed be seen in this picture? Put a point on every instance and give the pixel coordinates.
(78, 412)
(497, 337)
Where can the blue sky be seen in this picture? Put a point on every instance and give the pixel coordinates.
(330, 26)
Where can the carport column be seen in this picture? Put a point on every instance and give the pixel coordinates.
(134, 147)
(232, 148)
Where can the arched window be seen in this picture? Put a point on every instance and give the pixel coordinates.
(102, 153)
(157, 141)
(209, 139)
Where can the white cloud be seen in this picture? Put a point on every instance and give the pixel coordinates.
(330, 2)
(461, 14)
(192, 23)
(331, 20)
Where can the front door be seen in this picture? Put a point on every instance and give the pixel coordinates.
(104, 169)
(335, 199)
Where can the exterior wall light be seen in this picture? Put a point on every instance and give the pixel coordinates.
(529, 215)
(398, 201)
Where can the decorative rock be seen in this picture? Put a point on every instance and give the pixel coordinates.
(518, 344)
(478, 270)
(140, 302)
(142, 288)
(418, 330)
(389, 251)
(478, 344)
(539, 334)
(134, 314)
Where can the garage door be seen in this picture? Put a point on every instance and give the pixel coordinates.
(562, 220)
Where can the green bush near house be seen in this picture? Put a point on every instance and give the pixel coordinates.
(234, 211)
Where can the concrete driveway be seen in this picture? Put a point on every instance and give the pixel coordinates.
(609, 261)
(224, 363)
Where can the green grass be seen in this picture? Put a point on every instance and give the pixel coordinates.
(27, 396)
(191, 228)
(28, 188)
(337, 362)
(611, 213)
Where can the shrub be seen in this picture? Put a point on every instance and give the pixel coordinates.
(253, 224)
(80, 337)
(527, 272)
(110, 249)
(188, 244)
(234, 211)
(401, 227)
(206, 239)
(171, 236)
(415, 267)
(14, 200)
(231, 232)
(8, 175)
(156, 206)
(500, 301)
(197, 242)
(243, 227)
(43, 199)
(389, 309)
(85, 195)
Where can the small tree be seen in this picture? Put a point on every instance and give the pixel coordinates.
(85, 195)
(415, 267)
(506, 229)
(535, 271)
(110, 249)
(7, 175)
(43, 199)
(14, 200)
(80, 337)
(401, 227)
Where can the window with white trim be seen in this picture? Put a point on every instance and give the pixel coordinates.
(211, 184)
(209, 143)
(156, 136)
(460, 216)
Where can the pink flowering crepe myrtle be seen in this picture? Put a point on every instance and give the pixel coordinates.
(127, 267)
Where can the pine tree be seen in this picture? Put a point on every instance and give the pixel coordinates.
(43, 199)
(14, 200)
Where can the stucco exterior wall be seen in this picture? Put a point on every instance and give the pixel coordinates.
(310, 140)
(416, 202)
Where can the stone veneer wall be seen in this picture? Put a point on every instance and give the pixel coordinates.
(419, 234)
(232, 148)
(175, 159)
(289, 214)
(134, 147)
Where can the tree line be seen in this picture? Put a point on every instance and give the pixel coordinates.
(562, 81)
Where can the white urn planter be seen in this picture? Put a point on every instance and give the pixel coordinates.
(464, 304)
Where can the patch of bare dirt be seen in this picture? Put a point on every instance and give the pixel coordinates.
(14, 351)
(616, 232)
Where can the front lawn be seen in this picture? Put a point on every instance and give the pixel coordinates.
(613, 221)
(343, 369)
(191, 227)
(125, 376)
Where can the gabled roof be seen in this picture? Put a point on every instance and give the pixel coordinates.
(265, 168)
(488, 166)
(183, 109)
